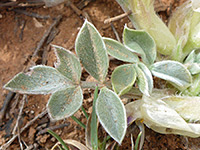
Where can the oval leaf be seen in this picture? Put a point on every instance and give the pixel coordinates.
(144, 85)
(111, 114)
(174, 72)
(68, 64)
(91, 50)
(140, 42)
(119, 51)
(40, 80)
(123, 78)
(148, 76)
(64, 103)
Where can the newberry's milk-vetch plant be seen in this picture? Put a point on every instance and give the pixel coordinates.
(64, 84)
(174, 109)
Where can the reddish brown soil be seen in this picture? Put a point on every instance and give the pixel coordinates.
(14, 54)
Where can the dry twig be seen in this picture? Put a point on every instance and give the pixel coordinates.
(117, 17)
(83, 3)
(78, 11)
(31, 14)
(46, 34)
(20, 114)
(6, 145)
(53, 128)
(115, 32)
(9, 97)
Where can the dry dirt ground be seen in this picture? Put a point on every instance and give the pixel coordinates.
(19, 36)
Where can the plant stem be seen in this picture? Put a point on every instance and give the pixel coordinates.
(134, 93)
(90, 85)
(78, 121)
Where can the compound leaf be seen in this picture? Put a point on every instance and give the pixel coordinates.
(119, 51)
(111, 114)
(140, 42)
(174, 72)
(65, 102)
(40, 80)
(68, 64)
(91, 51)
(123, 78)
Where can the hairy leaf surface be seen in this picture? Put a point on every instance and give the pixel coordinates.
(68, 64)
(65, 102)
(40, 80)
(91, 51)
(148, 76)
(174, 72)
(111, 114)
(123, 78)
(119, 51)
(144, 85)
(192, 62)
(140, 42)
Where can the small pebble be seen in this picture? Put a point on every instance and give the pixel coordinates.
(53, 139)
(32, 112)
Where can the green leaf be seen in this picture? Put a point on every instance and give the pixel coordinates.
(40, 80)
(111, 114)
(174, 72)
(192, 62)
(144, 79)
(68, 64)
(194, 68)
(191, 58)
(137, 141)
(194, 89)
(64, 103)
(123, 78)
(78, 122)
(186, 107)
(91, 51)
(119, 51)
(148, 76)
(140, 42)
